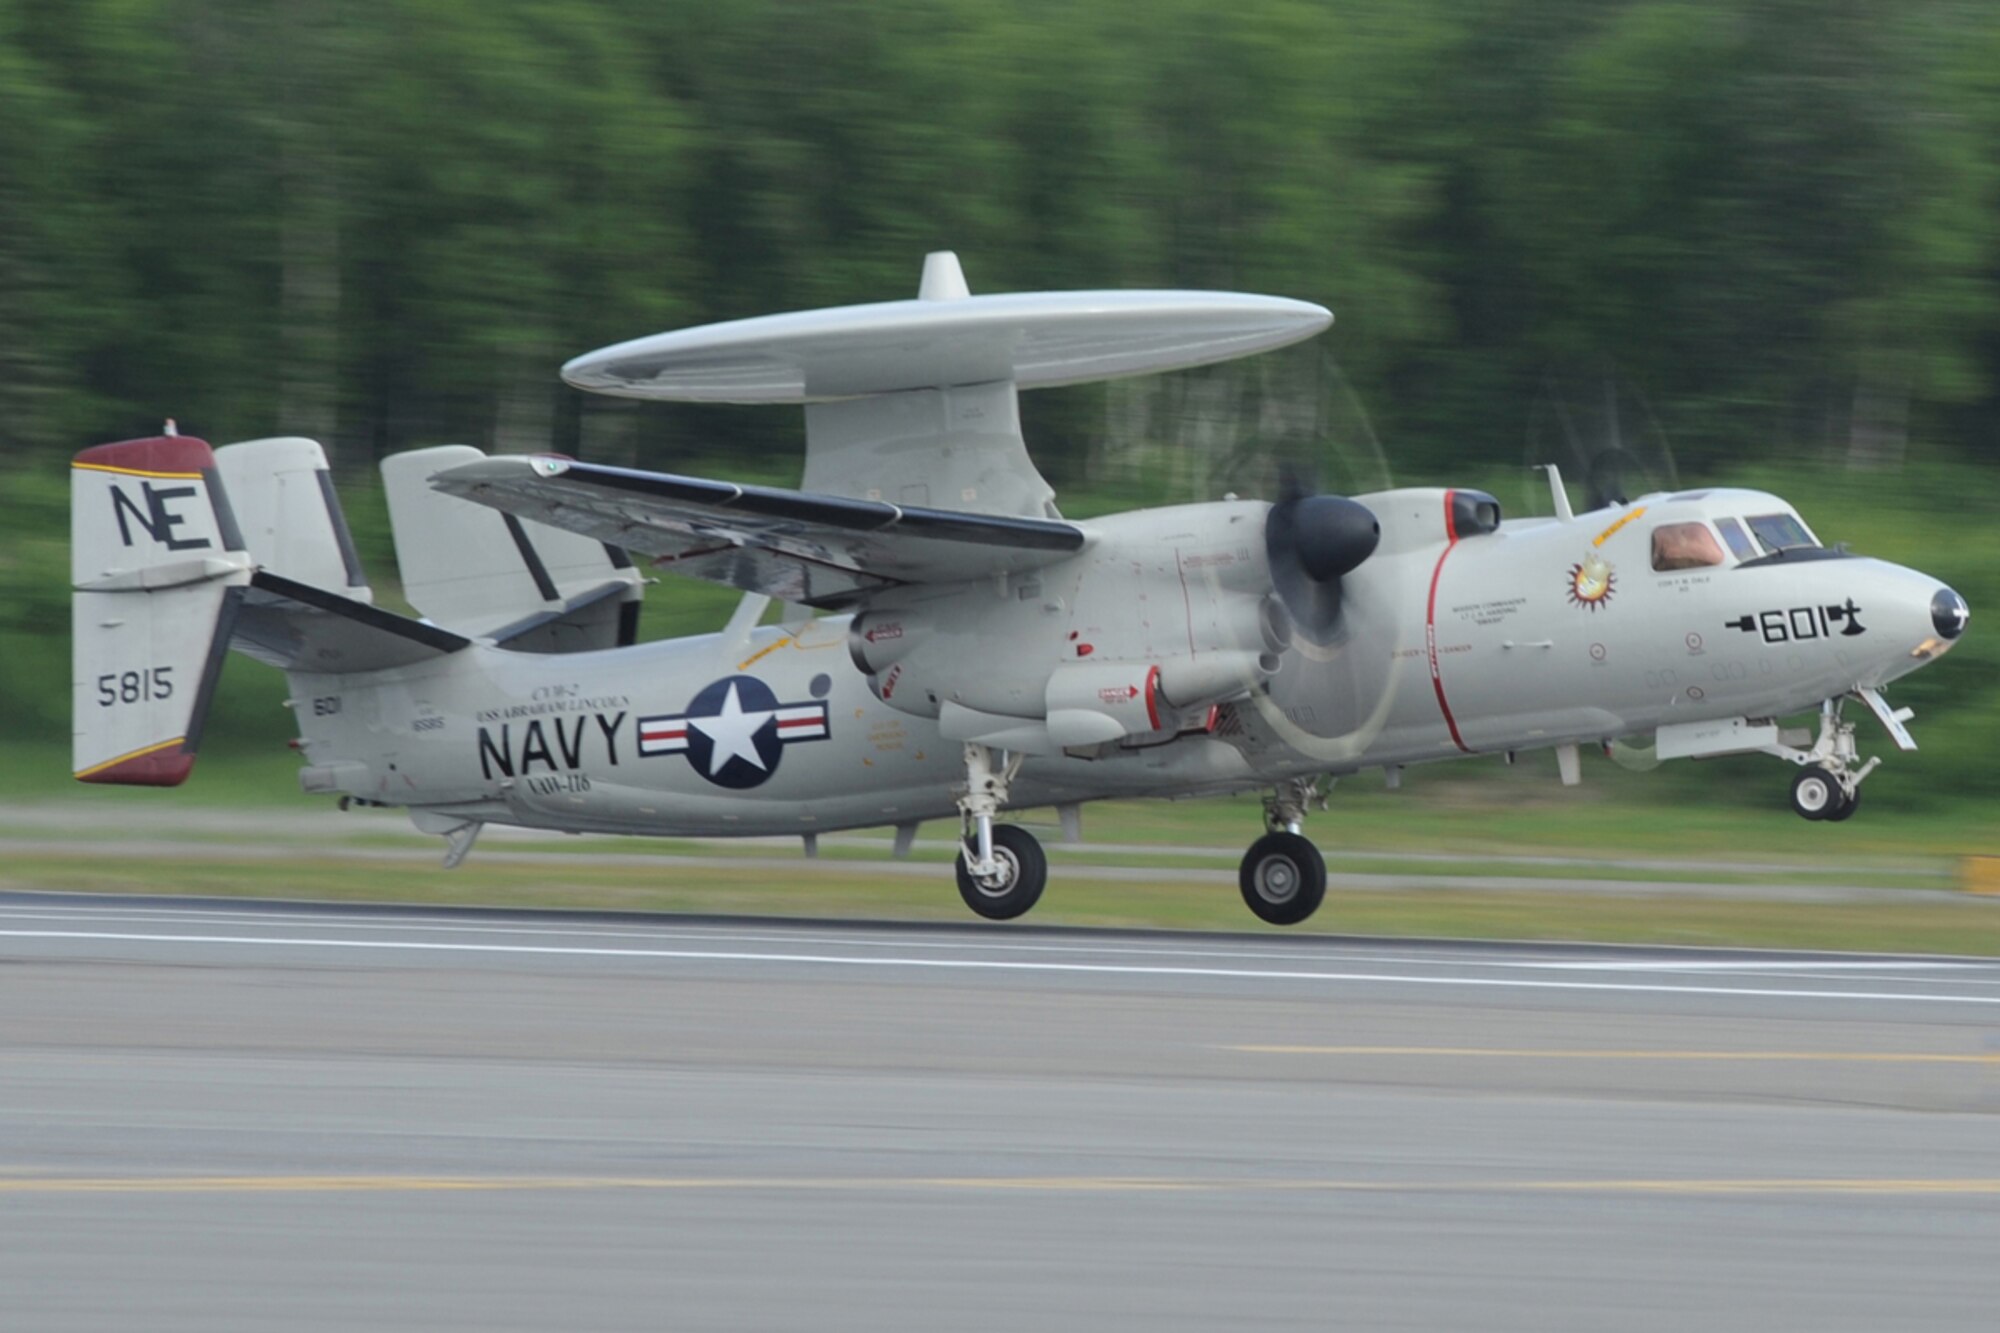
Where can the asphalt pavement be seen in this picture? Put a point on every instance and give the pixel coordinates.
(228, 1116)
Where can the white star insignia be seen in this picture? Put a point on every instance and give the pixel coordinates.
(732, 732)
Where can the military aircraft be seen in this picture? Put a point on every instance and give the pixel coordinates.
(953, 644)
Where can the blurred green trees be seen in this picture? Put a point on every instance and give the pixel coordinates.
(385, 224)
(1776, 223)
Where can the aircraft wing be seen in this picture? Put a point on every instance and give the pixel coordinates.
(815, 550)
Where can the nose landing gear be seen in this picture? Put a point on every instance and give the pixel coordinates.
(1828, 785)
(1820, 793)
(1283, 876)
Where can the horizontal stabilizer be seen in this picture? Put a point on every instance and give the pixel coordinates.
(574, 624)
(812, 549)
(298, 627)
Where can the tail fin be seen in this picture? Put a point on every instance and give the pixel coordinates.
(158, 569)
(284, 500)
(527, 586)
(309, 607)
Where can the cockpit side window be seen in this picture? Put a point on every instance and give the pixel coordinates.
(1685, 546)
(1739, 541)
(1780, 532)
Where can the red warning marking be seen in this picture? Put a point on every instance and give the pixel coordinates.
(1430, 627)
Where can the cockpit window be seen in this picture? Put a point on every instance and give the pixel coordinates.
(1780, 532)
(1685, 546)
(1739, 541)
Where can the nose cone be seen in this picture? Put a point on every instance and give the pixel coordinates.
(1949, 614)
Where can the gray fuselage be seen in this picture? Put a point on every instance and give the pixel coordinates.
(1538, 633)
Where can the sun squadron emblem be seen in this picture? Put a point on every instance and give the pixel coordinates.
(1591, 582)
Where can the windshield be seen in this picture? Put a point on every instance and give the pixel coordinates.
(1739, 541)
(1780, 532)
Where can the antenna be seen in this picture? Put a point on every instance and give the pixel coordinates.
(943, 279)
(1556, 491)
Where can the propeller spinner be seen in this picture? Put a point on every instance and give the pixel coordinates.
(1310, 542)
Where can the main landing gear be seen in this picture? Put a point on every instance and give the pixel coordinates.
(1283, 876)
(1001, 868)
(1828, 785)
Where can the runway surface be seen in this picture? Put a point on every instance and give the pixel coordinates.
(246, 1117)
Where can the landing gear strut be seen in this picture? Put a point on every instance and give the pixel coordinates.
(1828, 785)
(1283, 876)
(1001, 868)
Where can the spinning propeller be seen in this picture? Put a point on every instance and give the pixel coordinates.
(1286, 425)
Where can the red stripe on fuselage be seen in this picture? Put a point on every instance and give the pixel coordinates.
(1430, 625)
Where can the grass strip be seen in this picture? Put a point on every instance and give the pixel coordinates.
(1971, 926)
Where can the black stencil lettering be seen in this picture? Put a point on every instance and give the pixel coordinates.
(493, 756)
(570, 745)
(156, 519)
(534, 745)
(609, 726)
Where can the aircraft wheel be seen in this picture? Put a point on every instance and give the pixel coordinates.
(1283, 878)
(1849, 802)
(1024, 870)
(1816, 793)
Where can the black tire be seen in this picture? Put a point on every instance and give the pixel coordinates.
(1025, 871)
(1283, 878)
(1816, 793)
(1850, 801)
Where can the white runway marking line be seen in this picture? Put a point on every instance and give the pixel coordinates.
(989, 964)
(391, 1184)
(1810, 969)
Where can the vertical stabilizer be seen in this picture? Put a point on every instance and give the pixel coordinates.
(524, 584)
(158, 569)
(284, 500)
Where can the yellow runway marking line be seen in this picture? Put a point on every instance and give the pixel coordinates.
(379, 1184)
(442, 1184)
(1530, 1053)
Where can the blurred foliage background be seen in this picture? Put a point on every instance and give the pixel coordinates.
(1759, 237)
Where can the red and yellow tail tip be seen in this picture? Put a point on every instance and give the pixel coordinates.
(180, 456)
(164, 765)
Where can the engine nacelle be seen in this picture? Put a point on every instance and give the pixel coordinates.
(1166, 610)
(877, 640)
(1421, 516)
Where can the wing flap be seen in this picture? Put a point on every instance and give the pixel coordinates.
(818, 550)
